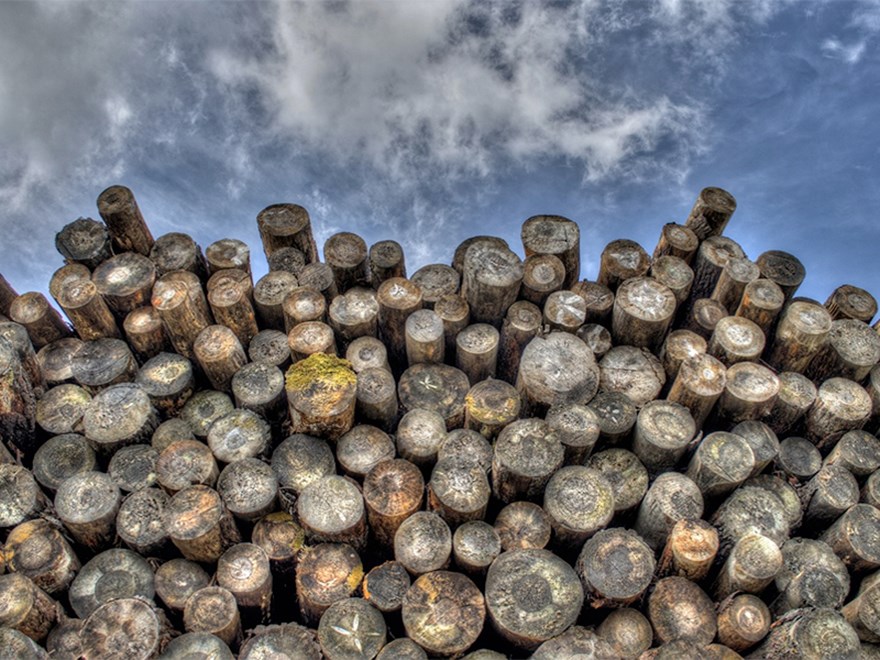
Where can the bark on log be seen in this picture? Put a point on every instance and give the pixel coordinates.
(42, 322)
(810, 633)
(200, 525)
(521, 324)
(346, 254)
(841, 405)
(244, 570)
(542, 275)
(643, 311)
(678, 241)
(327, 573)
(436, 281)
(169, 381)
(733, 280)
(424, 337)
(796, 396)
(711, 212)
(393, 491)
(621, 260)
(615, 567)
(851, 302)
(852, 350)
(699, 384)
(783, 268)
(714, 253)
(377, 398)
(626, 474)
(124, 221)
(858, 452)
(690, 550)
(557, 236)
(287, 225)
(703, 316)
(7, 295)
(177, 251)
(678, 346)
(491, 278)
(476, 352)
(761, 303)
(17, 402)
(87, 311)
(749, 394)
(752, 565)
(183, 308)
(269, 294)
(386, 261)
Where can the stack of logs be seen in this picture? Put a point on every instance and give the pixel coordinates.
(339, 460)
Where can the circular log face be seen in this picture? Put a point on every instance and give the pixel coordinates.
(443, 612)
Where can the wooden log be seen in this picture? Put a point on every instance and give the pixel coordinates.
(735, 276)
(197, 645)
(7, 295)
(743, 621)
(811, 576)
(490, 405)
(632, 371)
(436, 387)
(491, 278)
(17, 336)
(556, 236)
(736, 339)
(852, 350)
(853, 536)
(810, 633)
(186, 463)
(17, 402)
(282, 539)
(678, 346)
(177, 251)
(532, 596)
(125, 282)
(475, 545)
(87, 311)
(615, 567)
(362, 448)
(643, 310)
(542, 275)
(679, 610)
(858, 452)
(199, 524)
(351, 628)
(42, 322)
(87, 503)
(828, 495)
(37, 550)
(712, 256)
(231, 307)
(458, 257)
(626, 475)
(118, 416)
(710, 213)
(690, 550)
(327, 573)
(287, 639)
(527, 454)
(750, 510)
(599, 298)
(402, 648)
(354, 314)
(219, 353)
(749, 393)
(134, 467)
(851, 302)
(301, 459)
(249, 489)
(115, 573)
(269, 294)
(239, 434)
(124, 221)
(543, 380)
(521, 324)
(577, 427)
(662, 433)
(702, 317)
(565, 311)
(870, 493)
(331, 510)
(761, 302)
(628, 632)
(270, 347)
(574, 642)
(671, 497)
(621, 260)
(476, 351)
(63, 640)
(841, 405)
(443, 612)
(100, 363)
(424, 337)
(386, 585)
(286, 225)
(458, 491)
(762, 440)
(397, 298)
(699, 384)
(674, 273)
(436, 281)
(203, 409)
(67, 276)
(677, 241)
(783, 268)
(145, 333)
(752, 565)
(140, 522)
(168, 381)
(287, 259)
(20, 646)
(321, 395)
(798, 459)
(319, 276)
(213, 610)
(377, 398)
(172, 429)
(20, 497)
(346, 254)
(616, 415)
(125, 627)
(61, 457)
(226, 254)
(367, 353)
(455, 314)
(467, 445)
(796, 396)
(183, 308)
(423, 543)
(721, 462)
(244, 570)
(386, 261)
(596, 337)
(393, 491)
(862, 611)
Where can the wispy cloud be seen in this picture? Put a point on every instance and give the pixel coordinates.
(849, 53)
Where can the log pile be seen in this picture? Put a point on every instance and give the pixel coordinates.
(491, 458)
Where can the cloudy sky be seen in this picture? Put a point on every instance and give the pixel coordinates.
(430, 121)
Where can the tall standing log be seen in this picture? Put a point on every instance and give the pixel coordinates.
(714, 253)
(852, 350)
(455, 314)
(177, 251)
(761, 303)
(393, 491)
(796, 396)
(621, 260)
(476, 351)
(397, 298)
(183, 308)
(542, 275)
(219, 354)
(851, 302)
(319, 276)
(145, 332)
(643, 310)
(269, 294)
(231, 307)
(711, 212)
(386, 261)
(783, 268)
(424, 337)
(377, 398)
(42, 321)
(17, 335)
(557, 236)
(125, 281)
(287, 225)
(521, 324)
(841, 405)
(346, 254)
(17, 402)
(123, 218)
(736, 275)
(699, 384)
(226, 254)
(491, 277)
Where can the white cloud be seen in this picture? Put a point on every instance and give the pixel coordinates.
(849, 53)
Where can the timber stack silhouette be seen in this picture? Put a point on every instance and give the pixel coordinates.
(486, 459)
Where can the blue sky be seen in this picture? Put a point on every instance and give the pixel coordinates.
(431, 121)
